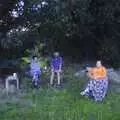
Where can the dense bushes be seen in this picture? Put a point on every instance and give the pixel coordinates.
(88, 26)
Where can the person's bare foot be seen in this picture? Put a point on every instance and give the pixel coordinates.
(82, 93)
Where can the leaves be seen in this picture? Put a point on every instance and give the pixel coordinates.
(81, 25)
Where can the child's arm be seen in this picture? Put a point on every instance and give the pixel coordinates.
(90, 73)
(51, 64)
(61, 62)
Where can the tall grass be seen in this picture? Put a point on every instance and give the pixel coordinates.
(56, 104)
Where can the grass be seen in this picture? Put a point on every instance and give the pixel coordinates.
(59, 104)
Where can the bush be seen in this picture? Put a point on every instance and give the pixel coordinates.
(110, 54)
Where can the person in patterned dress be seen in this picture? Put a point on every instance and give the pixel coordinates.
(35, 70)
(98, 83)
(56, 65)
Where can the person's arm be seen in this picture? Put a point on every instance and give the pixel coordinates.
(51, 64)
(90, 73)
(61, 62)
(89, 69)
(104, 73)
(91, 76)
(30, 65)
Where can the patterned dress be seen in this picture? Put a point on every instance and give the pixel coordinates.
(97, 88)
(35, 69)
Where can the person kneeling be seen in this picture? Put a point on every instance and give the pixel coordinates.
(98, 83)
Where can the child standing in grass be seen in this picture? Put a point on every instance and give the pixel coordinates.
(98, 83)
(35, 70)
(56, 66)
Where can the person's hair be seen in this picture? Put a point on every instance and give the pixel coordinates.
(99, 61)
(34, 57)
(56, 53)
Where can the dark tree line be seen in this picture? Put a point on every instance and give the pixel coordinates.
(82, 29)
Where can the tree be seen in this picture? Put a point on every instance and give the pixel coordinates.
(88, 26)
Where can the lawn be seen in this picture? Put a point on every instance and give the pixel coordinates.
(49, 103)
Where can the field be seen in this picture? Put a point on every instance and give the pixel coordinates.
(49, 103)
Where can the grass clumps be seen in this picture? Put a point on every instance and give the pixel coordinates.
(49, 103)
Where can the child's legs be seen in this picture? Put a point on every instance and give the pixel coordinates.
(58, 76)
(52, 77)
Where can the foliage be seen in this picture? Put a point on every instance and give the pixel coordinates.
(87, 26)
(111, 53)
(37, 50)
(25, 60)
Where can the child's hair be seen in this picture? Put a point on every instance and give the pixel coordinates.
(34, 57)
(99, 61)
(56, 53)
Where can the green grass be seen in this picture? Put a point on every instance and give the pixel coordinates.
(56, 104)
